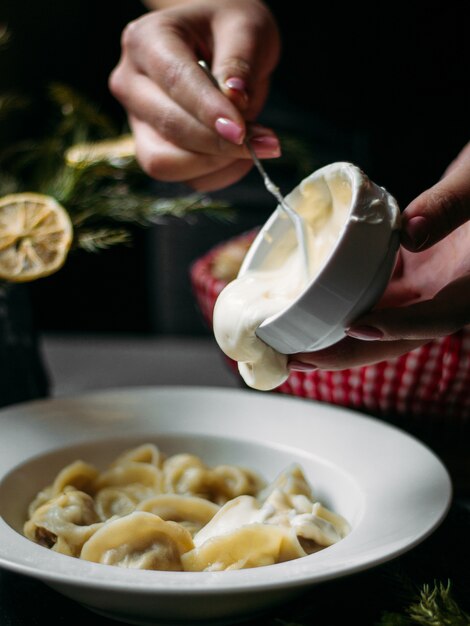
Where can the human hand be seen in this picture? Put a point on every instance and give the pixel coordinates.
(429, 293)
(185, 128)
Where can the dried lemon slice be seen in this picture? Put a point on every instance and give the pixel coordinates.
(35, 236)
(113, 151)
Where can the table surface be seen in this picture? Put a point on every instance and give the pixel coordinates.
(78, 364)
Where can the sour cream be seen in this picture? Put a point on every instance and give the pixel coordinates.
(258, 294)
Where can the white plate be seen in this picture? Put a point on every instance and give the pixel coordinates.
(392, 489)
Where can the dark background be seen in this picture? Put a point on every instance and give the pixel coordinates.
(385, 89)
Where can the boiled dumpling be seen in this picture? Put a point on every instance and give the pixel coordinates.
(321, 525)
(237, 537)
(310, 520)
(230, 481)
(191, 512)
(186, 474)
(291, 481)
(131, 473)
(79, 475)
(119, 501)
(234, 514)
(64, 523)
(139, 540)
(42, 497)
(146, 453)
(253, 545)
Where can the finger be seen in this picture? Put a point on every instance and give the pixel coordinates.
(148, 102)
(222, 178)
(246, 51)
(171, 63)
(351, 353)
(463, 154)
(166, 162)
(440, 316)
(441, 209)
(231, 174)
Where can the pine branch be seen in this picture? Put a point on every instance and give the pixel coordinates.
(154, 209)
(122, 203)
(75, 107)
(429, 607)
(101, 239)
(436, 607)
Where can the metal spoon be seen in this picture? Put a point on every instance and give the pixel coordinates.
(297, 221)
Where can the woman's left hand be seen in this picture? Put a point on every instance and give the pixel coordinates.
(429, 293)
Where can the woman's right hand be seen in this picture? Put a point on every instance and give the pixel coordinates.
(185, 128)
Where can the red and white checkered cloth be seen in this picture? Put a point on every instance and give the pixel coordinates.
(431, 382)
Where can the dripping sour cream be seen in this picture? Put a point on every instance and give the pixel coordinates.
(270, 311)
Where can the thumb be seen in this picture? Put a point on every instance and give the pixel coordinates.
(441, 209)
(246, 50)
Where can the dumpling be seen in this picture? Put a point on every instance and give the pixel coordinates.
(321, 525)
(123, 486)
(78, 474)
(310, 520)
(191, 512)
(291, 481)
(139, 540)
(64, 523)
(234, 514)
(119, 501)
(131, 473)
(230, 481)
(280, 507)
(253, 545)
(42, 497)
(186, 474)
(146, 453)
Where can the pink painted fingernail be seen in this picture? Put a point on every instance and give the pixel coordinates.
(366, 333)
(229, 130)
(236, 89)
(237, 84)
(266, 146)
(416, 232)
(300, 366)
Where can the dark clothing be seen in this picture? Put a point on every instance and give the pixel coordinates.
(397, 72)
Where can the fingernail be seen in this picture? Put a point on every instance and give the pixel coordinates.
(236, 90)
(229, 130)
(237, 84)
(300, 366)
(366, 333)
(266, 146)
(416, 232)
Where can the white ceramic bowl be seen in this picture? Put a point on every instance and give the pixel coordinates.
(355, 272)
(392, 490)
